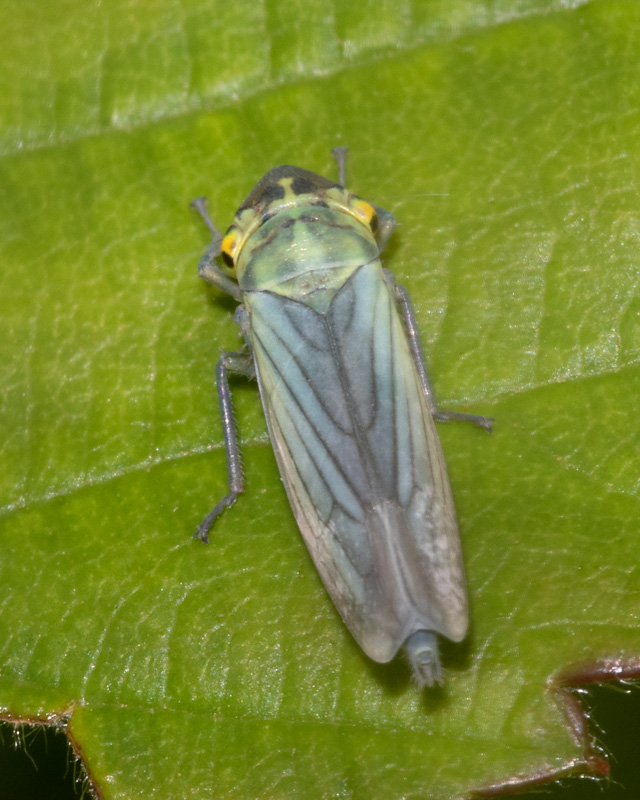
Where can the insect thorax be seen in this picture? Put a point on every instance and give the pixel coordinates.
(306, 252)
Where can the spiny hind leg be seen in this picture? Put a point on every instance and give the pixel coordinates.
(411, 326)
(239, 363)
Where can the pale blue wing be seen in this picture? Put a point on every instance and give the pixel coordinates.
(361, 461)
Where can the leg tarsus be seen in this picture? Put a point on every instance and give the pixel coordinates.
(457, 416)
(204, 527)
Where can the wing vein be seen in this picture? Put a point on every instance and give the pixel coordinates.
(319, 441)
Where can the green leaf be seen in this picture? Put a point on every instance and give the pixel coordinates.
(503, 136)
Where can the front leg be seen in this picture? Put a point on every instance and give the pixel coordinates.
(409, 317)
(240, 363)
(208, 265)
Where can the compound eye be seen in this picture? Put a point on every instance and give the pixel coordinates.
(229, 247)
(365, 212)
(228, 259)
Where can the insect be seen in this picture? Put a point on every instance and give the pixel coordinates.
(332, 340)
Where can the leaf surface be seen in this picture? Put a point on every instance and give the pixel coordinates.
(504, 138)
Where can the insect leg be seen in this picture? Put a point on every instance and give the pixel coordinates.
(409, 316)
(207, 266)
(386, 220)
(239, 363)
(340, 155)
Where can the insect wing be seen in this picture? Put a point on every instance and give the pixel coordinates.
(361, 461)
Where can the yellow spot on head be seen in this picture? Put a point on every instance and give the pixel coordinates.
(286, 184)
(229, 247)
(365, 212)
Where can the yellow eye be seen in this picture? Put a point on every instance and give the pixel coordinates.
(365, 212)
(229, 247)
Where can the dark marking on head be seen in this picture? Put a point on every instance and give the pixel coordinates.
(271, 192)
(302, 185)
(269, 189)
(228, 260)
